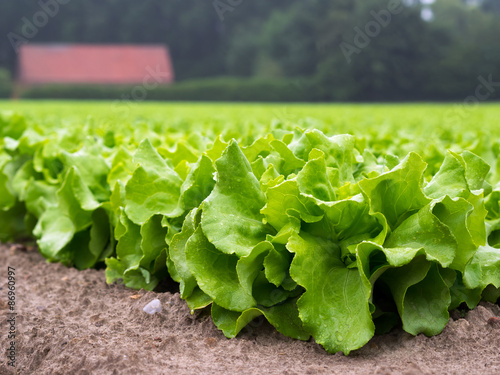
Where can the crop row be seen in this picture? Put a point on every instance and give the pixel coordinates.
(326, 237)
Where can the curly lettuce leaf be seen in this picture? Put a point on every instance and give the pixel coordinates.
(335, 306)
(231, 218)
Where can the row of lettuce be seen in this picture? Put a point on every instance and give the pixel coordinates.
(318, 234)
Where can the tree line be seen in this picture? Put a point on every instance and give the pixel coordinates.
(345, 50)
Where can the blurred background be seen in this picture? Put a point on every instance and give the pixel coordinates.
(260, 50)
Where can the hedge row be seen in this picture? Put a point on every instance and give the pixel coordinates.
(5, 83)
(214, 89)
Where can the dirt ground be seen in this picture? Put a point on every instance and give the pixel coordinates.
(72, 322)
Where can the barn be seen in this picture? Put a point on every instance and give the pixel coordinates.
(46, 64)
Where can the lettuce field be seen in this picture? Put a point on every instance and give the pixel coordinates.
(335, 222)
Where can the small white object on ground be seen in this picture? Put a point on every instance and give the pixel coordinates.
(153, 307)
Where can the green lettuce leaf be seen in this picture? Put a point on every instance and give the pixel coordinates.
(216, 274)
(397, 193)
(335, 306)
(231, 217)
(284, 317)
(421, 295)
(153, 189)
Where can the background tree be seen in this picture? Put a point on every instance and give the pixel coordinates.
(410, 59)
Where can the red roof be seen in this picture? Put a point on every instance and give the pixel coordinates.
(94, 64)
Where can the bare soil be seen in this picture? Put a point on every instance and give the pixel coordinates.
(72, 322)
